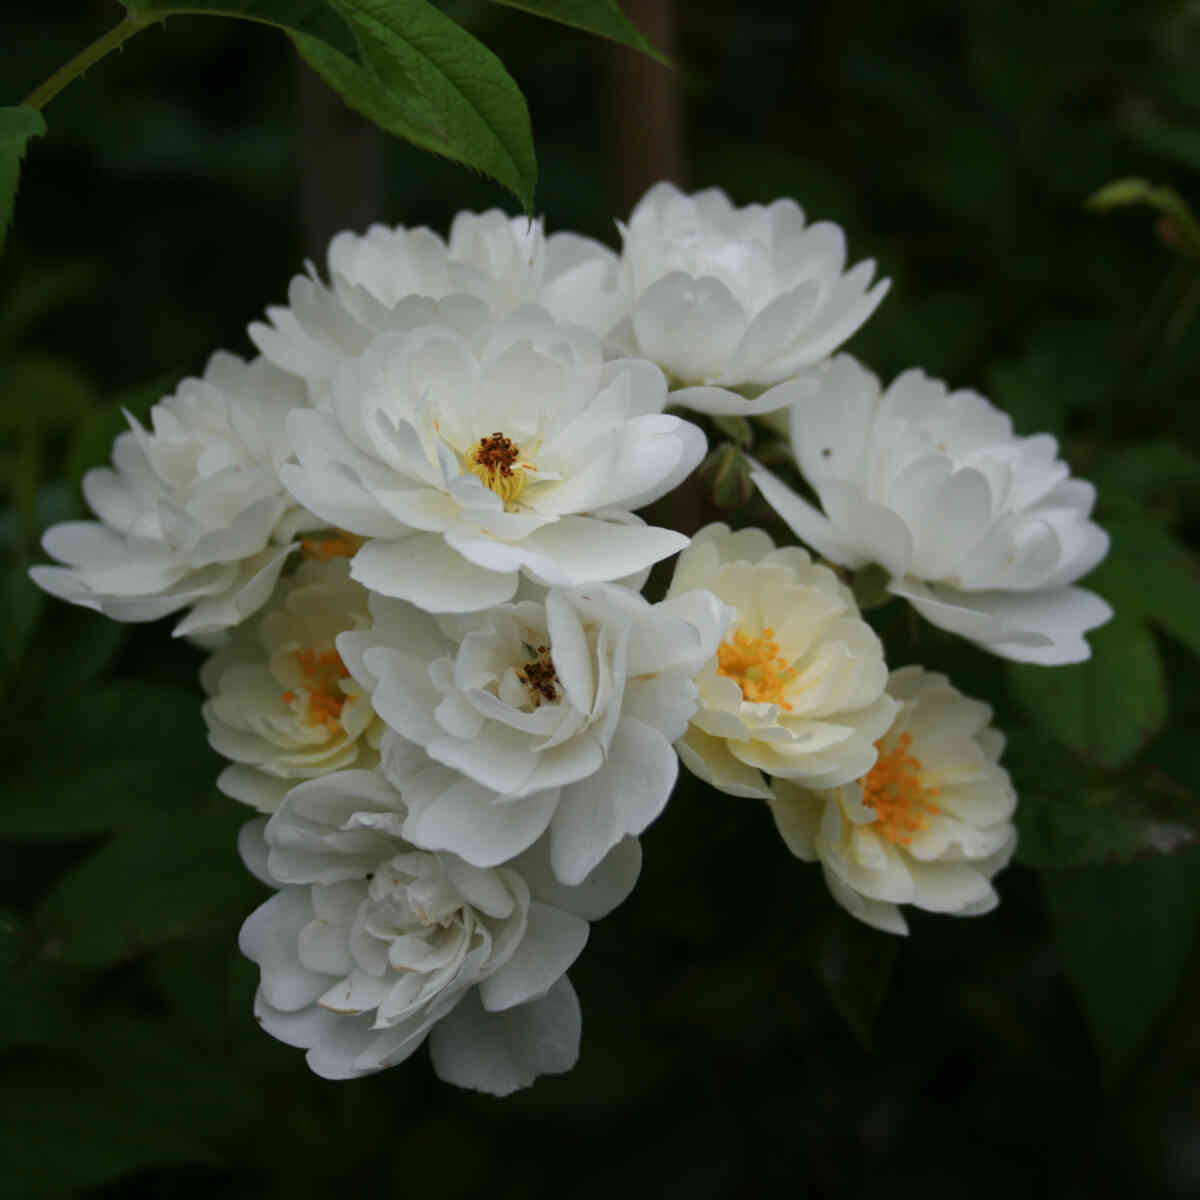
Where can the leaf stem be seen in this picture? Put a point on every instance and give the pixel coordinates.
(70, 71)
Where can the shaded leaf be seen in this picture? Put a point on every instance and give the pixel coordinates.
(601, 17)
(172, 874)
(409, 68)
(1067, 815)
(854, 965)
(1125, 933)
(136, 750)
(1106, 708)
(1110, 706)
(60, 1131)
(1146, 471)
(312, 17)
(18, 126)
(20, 606)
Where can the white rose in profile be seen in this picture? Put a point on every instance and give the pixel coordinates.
(370, 946)
(192, 513)
(929, 825)
(797, 687)
(551, 715)
(981, 531)
(723, 297)
(466, 456)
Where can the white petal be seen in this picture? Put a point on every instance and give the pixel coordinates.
(471, 822)
(501, 1052)
(553, 940)
(623, 797)
(270, 937)
(423, 570)
(607, 886)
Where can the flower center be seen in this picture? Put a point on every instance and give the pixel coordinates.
(540, 678)
(894, 790)
(494, 460)
(338, 544)
(757, 667)
(322, 671)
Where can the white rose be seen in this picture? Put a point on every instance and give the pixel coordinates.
(499, 261)
(723, 297)
(466, 458)
(282, 705)
(372, 945)
(557, 714)
(797, 687)
(982, 532)
(930, 824)
(192, 515)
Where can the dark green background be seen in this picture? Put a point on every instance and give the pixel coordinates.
(1052, 1048)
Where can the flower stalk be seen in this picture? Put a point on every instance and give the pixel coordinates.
(87, 57)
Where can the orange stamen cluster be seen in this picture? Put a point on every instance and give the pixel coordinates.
(757, 667)
(340, 545)
(540, 678)
(322, 669)
(894, 790)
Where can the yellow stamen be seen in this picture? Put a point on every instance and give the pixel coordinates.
(894, 790)
(338, 545)
(756, 666)
(495, 461)
(323, 669)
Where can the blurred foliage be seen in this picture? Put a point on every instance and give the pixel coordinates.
(742, 1037)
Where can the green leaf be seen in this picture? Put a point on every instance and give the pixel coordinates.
(428, 80)
(854, 965)
(407, 67)
(1148, 575)
(61, 1132)
(1125, 933)
(17, 126)
(1070, 816)
(1146, 471)
(601, 17)
(172, 874)
(136, 750)
(312, 17)
(1110, 706)
(1107, 708)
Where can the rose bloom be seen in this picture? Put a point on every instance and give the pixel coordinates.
(555, 714)
(797, 687)
(372, 946)
(467, 455)
(748, 298)
(929, 825)
(282, 704)
(984, 533)
(192, 513)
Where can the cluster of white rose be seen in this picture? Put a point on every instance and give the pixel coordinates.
(406, 533)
